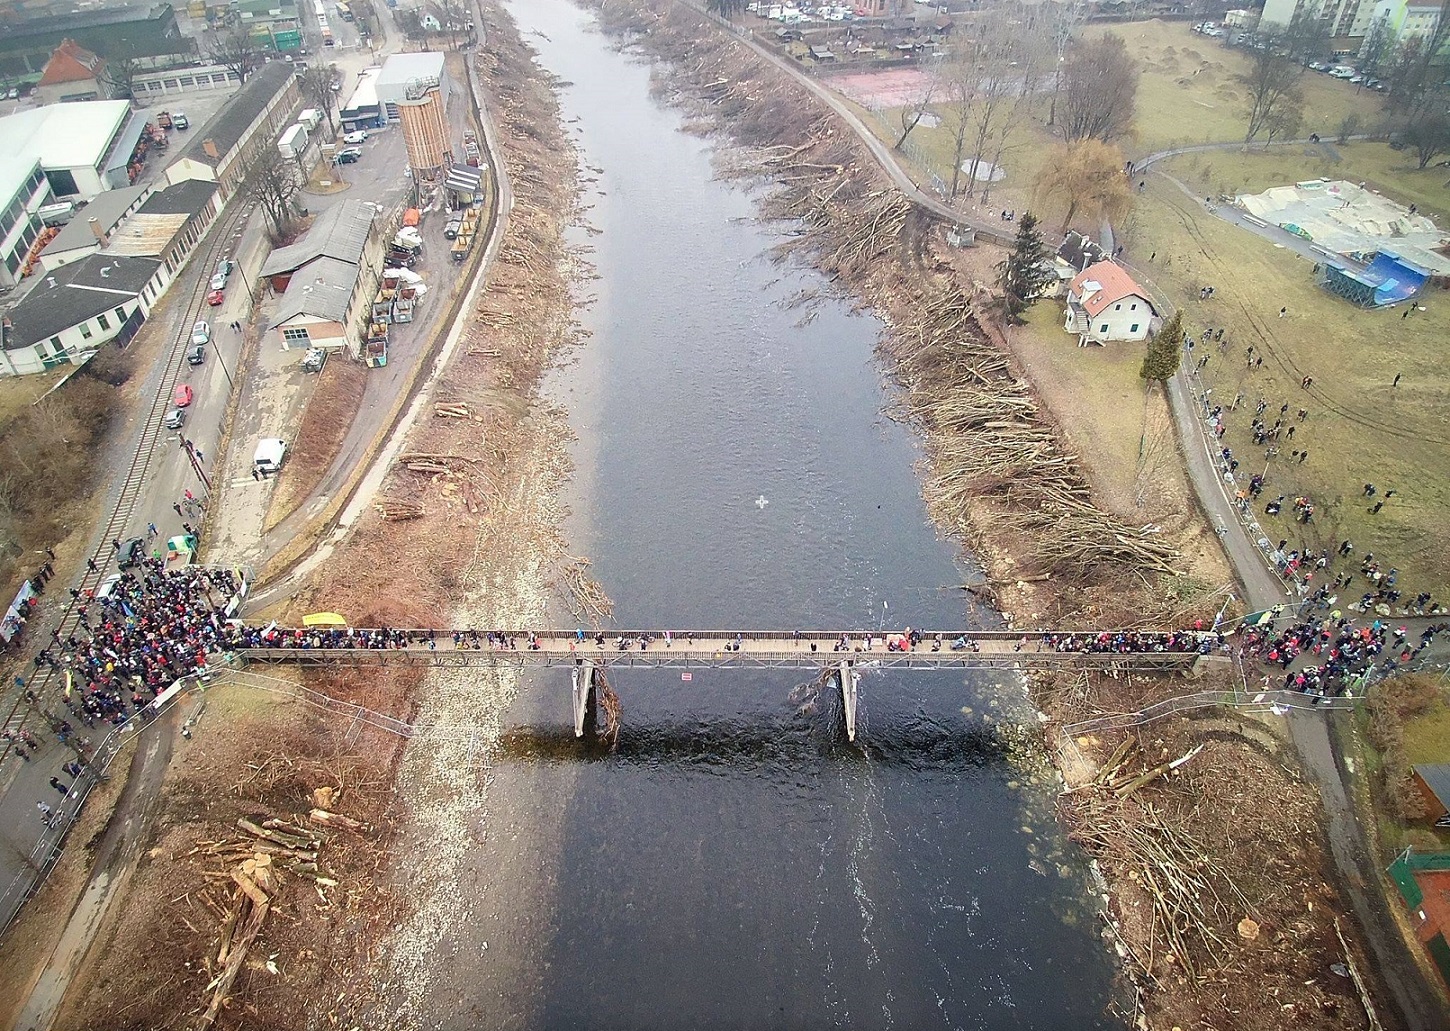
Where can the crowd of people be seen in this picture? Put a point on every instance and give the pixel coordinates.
(1127, 641)
(1337, 650)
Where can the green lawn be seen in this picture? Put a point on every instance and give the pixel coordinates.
(1427, 737)
(1189, 91)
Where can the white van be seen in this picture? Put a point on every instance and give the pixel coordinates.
(269, 454)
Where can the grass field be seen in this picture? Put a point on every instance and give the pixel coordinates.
(1189, 91)
(1360, 429)
(1391, 172)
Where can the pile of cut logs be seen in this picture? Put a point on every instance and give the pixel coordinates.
(254, 864)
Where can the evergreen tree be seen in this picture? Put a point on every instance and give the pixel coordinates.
(1164, 351)
(1027, 271)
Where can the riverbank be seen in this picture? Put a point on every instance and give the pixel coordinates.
(1001, 481)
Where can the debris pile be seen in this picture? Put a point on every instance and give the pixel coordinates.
(255, 866)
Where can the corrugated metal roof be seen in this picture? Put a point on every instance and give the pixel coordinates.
(106, 209)
(239, 112)
(340, 232)
(1437, 778)
(322, 289)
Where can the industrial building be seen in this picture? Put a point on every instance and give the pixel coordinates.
(413, 91)
(327, 279)
(249, 121)
(65, 151)
(116, 33)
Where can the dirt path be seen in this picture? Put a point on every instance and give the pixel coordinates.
(116, 858)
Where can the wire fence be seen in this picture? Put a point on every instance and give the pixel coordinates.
(49, 845)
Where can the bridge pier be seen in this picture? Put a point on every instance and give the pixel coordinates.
(582, 678)
(850, 682)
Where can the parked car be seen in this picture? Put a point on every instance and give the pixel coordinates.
(196, 355)
(175, 418)
(224, 266)
(313, 360)
(180, 121)
(182, 396)
(201, 332)
(216, 297)
(450, 231)
(108, 587)
(356, 136)
(13, 94)
(219, 281)
(349, 155)
(131, 553)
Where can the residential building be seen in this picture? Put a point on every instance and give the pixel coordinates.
(73, 73)
(71, 313)
(168, 225)
(327, 279)
(1348, 22)
(248, 122)
(1103, 303)
(413, 90)
(63, 151)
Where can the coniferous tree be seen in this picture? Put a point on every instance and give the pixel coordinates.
(1027, 270)
(1161, 360)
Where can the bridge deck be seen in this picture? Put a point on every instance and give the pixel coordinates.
(990, 650)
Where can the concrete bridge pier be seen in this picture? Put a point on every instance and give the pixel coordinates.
(850, 682)
(582, 678)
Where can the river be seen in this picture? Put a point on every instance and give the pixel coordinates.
(734, 862)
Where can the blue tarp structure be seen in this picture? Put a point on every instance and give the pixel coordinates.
(1388, 279)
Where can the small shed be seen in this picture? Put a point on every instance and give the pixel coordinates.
(822, 54)
(1433, 780)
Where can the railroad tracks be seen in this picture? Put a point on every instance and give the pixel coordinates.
(133, 485)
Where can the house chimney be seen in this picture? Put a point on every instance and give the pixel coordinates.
(97, 231)
(209, 148)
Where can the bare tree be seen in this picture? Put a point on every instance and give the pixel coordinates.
(119, 77)
(1306, 38)
(913, 113)
(1283, 123)
(316, 86)
(1099, 90)
(234, 49)
(1065, 18)
(1272, 80)
(1377, 49)
(1429, 135)
(272, 180)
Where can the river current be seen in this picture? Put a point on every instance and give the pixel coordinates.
(734, 862)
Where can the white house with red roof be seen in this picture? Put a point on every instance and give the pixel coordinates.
(73, 73)
(1103, 303)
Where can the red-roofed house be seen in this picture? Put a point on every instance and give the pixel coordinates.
(1103, 303)
(73, 73)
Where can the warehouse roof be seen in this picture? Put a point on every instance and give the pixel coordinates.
(239, 112)
(340, 232)
(107, 209)
(58, 136)
(321, 290)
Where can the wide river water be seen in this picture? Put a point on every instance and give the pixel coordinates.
(734, 862)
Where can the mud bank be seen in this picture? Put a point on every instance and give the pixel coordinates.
(1001, 481)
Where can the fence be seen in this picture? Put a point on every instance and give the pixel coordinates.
(48, 847)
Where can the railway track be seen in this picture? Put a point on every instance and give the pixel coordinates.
(45, 680)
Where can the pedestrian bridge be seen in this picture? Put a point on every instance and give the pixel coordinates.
(838, 655)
